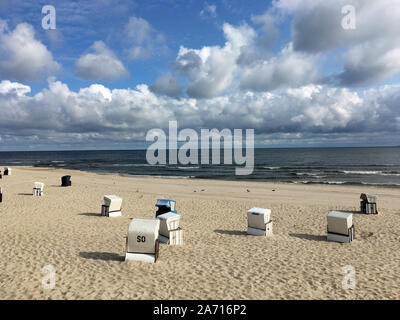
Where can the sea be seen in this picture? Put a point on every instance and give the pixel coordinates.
(379, 166)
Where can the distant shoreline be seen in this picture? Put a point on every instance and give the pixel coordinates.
(125, 175)
(258, 148)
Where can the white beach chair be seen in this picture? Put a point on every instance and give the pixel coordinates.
(7, 171)
(169, 229)
(38, 189)
(112, 206)
(142, 243)
(340, 227)
(259, 222)
(1, 194)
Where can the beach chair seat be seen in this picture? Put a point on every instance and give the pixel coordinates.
(112, 206)
(38, 189)
(142, 242)
(342, 238)
(165, 206)
(174, 238)
(340, 226)
(261, 232)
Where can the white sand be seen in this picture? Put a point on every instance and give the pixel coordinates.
(218, 260)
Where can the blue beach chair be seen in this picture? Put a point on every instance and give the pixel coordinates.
(165, 206)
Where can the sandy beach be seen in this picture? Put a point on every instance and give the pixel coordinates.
(217, 261)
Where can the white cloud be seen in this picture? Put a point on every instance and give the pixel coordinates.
(22, 56)
(99, 113)
(100, 64)
(289, 68)
(209, 10)
(143, 40)
(211, 70)
(371, 50)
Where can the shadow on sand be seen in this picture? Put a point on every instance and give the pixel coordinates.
(106, 256)
(310, 237)
(90, 214)
(232, 232)
(25, 194)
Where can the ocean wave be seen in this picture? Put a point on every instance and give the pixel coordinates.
(157, 176)
(360, 172)
(188, 168)
(366, 172)
(272, 168)
(137, 165)
(351, 183)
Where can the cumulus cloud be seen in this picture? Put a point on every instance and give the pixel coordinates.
(289, 68)
(22, 56)
(371, 50)
(100, 64)
(97, 112)
(211, 70)
(143, 39)
(168, 85)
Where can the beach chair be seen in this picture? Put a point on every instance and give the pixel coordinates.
(112, 206)
(38, 189)
(340, 227)
(259, 222)
(142, 242)
(1, 195)
(368, 204)
(66, 181)
(170, 232)
(7, 171)
(1, 175)
(165, 206)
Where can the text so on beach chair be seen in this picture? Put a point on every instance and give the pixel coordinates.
(340, 227)
(7, 171)
(368, 204)
(165, 206)
(66, 181)
(169, 229)
(259, 222)
(142, 243)
(38, 189)
(112, 206)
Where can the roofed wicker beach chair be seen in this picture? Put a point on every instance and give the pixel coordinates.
(38, 189)
(340, 227)
(368, 204)
(66, 181)
(7, 171)
(259, 222)
(112, 206)
(142, 242)
(170, 232)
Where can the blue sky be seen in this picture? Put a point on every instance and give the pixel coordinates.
(112, 70)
